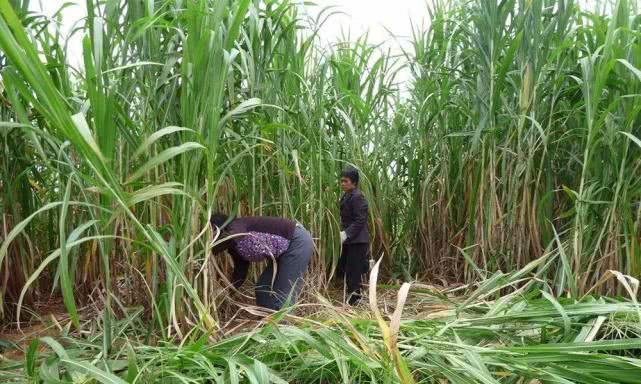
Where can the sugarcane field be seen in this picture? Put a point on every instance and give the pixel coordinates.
(347, 191)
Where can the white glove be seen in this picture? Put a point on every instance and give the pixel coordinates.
(343, 237)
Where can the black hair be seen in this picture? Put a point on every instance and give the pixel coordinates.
(219, 220)
(351, 173)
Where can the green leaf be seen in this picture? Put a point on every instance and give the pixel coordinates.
(31, 358)
(85, 132)
(631, 67)
(157, 135)
(630, 136)
(132, 369)
(66, 280)
(56, 346)
(86, 368)
(162, 157)
(153, 191)
(243, 107)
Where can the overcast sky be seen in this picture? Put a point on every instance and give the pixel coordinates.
(358, 17)
(378, 17)
(382, 19)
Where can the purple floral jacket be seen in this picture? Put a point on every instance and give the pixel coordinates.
(257, 246)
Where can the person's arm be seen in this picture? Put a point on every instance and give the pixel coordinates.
(360, 208)
(221, 247)
(240, 269)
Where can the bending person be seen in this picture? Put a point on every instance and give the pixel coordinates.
(259, 238)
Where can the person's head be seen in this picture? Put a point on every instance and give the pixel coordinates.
(349, 179)
(219, 220)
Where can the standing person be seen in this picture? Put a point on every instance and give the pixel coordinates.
(282, 242)
(354, 235)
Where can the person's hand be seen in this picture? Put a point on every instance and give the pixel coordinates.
(343, 237)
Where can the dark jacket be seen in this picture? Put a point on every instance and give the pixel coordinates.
(354, 214)
(274, 225)
(266, 224)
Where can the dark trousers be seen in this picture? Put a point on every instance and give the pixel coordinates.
(352, 265)
(290, 268)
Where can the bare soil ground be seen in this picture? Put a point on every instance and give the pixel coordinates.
(238, 314)
(47, 319)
